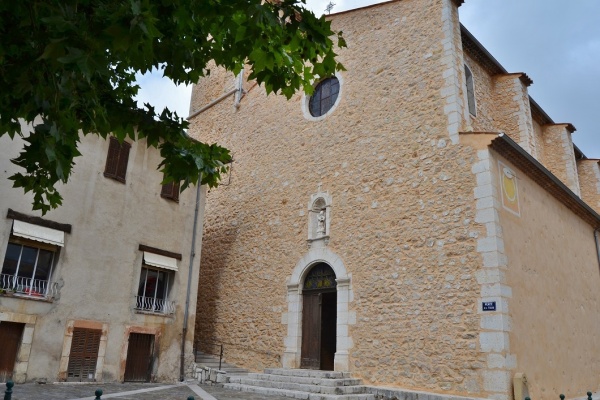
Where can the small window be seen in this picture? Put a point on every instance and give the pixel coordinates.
(324, 97)
(116, 160)
(170, 191)
(470, 91)
(27, 268)
(153, 291)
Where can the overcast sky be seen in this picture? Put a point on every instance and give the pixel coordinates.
(556, 42)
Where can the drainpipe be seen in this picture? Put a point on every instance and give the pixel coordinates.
(189, 285)
(597, 237)
(212, 103)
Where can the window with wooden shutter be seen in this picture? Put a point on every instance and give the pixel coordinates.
(170, 191)
(116, 160)
(84, 354)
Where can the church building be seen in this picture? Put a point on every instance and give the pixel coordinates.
(418, 221)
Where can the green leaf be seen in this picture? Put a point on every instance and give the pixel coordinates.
(69, 68)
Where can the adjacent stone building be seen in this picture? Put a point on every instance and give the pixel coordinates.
(420, 221)
(96, 289)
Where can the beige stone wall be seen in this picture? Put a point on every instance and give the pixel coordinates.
(484, 121)
(512, 110)
(560, 155)
(553, 276)
(403, 213)
(538, 132)
(98, 269)
(589, 178)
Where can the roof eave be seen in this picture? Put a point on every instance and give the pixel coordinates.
(508, 148)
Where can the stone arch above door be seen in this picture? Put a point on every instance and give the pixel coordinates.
(293, 317)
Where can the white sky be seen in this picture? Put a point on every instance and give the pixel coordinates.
(556, 42)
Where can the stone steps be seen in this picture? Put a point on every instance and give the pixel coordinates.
(299, 387)
(301, 384)
(305, 380)
(209, 361)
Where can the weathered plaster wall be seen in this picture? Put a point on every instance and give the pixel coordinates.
(402, 217)
(553, 273)
(98, 269)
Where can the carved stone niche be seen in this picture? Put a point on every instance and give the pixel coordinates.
(319, 217)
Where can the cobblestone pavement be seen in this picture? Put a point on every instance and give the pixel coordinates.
(129, 391)
(227, 394)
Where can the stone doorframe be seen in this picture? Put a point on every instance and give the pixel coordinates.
(68, 340)
(22, 361)
(148, 330)
(293, 317)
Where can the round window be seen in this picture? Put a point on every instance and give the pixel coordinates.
(324, 97)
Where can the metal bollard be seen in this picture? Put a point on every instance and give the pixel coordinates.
(190, 398)
(562, 397)
(589, 395)
(98, 393)
(527, 398)
(8, 392)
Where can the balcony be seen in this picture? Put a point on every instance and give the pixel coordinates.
(154, 305)
(27, 287)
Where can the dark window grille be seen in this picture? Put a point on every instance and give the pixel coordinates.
(117, 159)
(170, 191)
(324, 97)
(27, 268)
(153, 290)
(321, 276)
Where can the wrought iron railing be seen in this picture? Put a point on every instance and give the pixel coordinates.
(36, 288)
(211, 349)
(154, 305)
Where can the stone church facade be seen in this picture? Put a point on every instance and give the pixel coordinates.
(429, 228)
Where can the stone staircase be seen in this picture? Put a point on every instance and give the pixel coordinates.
(212, 362)
(301, 384)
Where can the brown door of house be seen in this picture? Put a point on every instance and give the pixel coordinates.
(319, 318)
(10, 339)
(311, 331)
(138, 367)
(84, 355)
(328, 329)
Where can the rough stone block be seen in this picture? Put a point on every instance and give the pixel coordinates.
(493, 342)
(497, 381)
(499, 361)
(496, 290)
(496, 322)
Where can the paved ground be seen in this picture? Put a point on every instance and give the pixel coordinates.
(129, 391)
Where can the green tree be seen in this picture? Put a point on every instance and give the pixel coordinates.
(69, 66)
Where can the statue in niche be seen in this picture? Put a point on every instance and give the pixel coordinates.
(321, 223)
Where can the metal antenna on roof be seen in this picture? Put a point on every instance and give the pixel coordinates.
(329, 7)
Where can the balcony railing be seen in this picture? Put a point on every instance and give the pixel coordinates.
(153, 305)
(35, 288)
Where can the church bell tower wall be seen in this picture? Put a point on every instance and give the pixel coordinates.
(402, 216)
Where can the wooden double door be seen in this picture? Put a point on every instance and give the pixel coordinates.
(83, 357)
(10, 341)
(319, 321)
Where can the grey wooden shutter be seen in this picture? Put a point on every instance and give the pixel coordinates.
(84, 354)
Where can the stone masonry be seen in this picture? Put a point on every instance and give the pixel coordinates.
(415, 233)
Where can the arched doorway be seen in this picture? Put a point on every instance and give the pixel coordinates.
(319, 318)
